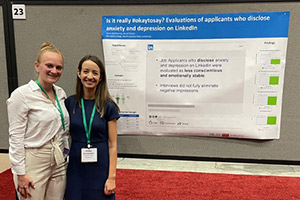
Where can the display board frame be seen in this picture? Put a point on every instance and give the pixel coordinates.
(189, 148)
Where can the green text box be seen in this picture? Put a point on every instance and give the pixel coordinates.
(274, 80)
(272, 100)
(275, 61)
(271, 120)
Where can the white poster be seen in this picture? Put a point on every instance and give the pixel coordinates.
(218, 75)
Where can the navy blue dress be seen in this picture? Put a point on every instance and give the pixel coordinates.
(85, 181)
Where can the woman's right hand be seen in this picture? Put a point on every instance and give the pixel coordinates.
(24, 183)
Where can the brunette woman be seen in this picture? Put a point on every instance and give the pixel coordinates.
(91, 173)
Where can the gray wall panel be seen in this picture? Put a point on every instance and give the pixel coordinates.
(3, 89)
(76, 30)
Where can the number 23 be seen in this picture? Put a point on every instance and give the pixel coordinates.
(18, 11)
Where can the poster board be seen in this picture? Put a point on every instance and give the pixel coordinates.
(75, 30)
(217, 75)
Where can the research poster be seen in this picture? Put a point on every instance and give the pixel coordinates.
(217, 75)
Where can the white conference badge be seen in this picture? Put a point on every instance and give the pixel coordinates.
(88, 155)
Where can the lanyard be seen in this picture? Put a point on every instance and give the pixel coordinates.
(58, 104)
(87, 130)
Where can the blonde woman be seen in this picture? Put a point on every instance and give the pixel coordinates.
(38, 130)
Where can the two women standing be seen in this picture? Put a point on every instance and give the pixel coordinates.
(39, 127)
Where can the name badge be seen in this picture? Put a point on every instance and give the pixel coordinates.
(88, 155)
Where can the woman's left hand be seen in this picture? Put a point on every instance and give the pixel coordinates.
(110, 186)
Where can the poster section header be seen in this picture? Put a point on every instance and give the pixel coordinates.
(196, 26)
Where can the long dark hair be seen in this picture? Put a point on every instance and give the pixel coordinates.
(102, 93)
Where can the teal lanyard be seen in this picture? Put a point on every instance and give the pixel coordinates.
(58, 104)
(87, 130)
